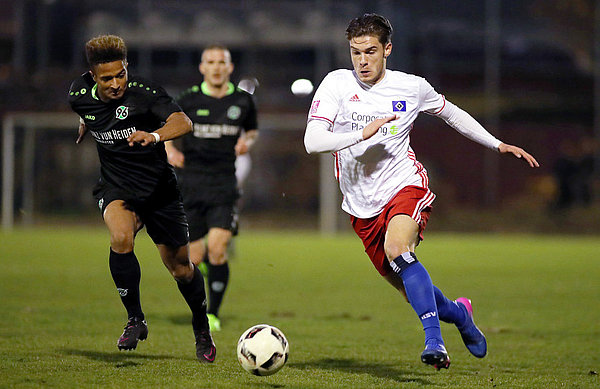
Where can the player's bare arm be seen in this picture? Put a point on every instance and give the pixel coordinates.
(81, 132)
(519, 153)
(245, 142)
(176, 125)
(174, 156)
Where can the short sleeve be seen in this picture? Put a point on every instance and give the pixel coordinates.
(326, 102)
(162, 105)
(430, 101)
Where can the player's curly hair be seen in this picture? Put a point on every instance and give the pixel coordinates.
(370, 24)
(105, 48)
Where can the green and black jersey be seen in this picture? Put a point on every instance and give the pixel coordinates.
(137, 169)
(218, 123)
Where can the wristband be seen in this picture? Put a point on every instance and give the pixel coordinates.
(156, 136)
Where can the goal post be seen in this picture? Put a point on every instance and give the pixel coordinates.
(29, 122)
(20, 151)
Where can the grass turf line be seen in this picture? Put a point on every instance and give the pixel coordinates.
(535, 297)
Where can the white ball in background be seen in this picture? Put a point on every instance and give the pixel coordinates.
(302, 87)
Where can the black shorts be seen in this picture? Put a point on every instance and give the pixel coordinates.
(210, 202)
(162, 212)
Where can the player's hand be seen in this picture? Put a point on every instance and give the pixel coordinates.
(175, 157)
(241, 147)
(141, 137)
(372, 128)
(81, 132)
(519, 153)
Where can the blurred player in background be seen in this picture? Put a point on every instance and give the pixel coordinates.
(365, 117)
(224, 125)
(130, 117)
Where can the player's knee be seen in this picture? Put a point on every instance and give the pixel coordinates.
(394, 249)
(182, 273)
(121, 242)
(217, 253)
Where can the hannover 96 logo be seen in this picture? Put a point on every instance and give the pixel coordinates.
(122, 112)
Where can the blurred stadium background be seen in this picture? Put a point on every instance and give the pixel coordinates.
(528, 70)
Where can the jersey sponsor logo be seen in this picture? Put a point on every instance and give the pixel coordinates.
(109, 137)
(214, 131)
(314, 106)
(122, 112)
(359, 121)
(234, 112)
(354, 99)
(399, 106)
(202, 112)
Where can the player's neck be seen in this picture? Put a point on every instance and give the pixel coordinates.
(216, 91)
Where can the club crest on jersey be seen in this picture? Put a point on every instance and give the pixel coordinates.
(399, 106)
(122, 112)
(234, 112)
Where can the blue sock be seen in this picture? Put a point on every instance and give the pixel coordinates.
(420, 293)
(449, 311)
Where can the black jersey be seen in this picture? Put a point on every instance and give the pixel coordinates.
(218, 123)
(144, 107)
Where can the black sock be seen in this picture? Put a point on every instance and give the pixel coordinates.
(126, 273)
(195, 296)
(218, 277)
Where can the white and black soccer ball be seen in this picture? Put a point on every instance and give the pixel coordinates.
(262, 350)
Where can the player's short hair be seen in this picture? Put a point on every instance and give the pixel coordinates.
(215, 46)
(105, 48)
(370, 24)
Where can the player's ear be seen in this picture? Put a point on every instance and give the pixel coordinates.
(91, 71)
(387, 50)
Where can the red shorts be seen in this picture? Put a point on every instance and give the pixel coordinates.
(413, 201)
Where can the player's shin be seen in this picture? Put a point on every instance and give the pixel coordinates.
(218, 278)
(420, 293)
(195, 296)
(126, 273)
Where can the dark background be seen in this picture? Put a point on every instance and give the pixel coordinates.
(525, 69)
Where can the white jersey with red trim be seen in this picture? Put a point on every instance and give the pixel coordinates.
(371, 172)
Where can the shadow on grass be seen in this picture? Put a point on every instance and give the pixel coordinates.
(380, 370)
(120, 359)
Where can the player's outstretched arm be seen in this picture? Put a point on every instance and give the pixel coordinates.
(176, 125)
(518, 152)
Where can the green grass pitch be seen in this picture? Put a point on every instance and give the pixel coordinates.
(537, 298)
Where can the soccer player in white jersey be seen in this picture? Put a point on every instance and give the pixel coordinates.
(364, 117)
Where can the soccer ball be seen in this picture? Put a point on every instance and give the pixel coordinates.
(262, 350)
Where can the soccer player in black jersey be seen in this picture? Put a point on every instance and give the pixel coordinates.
(129, 118)
(224, 126)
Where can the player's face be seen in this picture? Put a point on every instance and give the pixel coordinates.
(111, 78)
(369, 58)
(216, 67)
